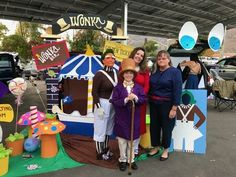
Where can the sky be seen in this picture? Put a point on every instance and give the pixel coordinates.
(11, 25)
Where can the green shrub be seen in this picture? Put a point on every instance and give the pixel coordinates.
(14, 137)
(4, 152)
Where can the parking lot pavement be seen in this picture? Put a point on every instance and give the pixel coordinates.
(219, 160)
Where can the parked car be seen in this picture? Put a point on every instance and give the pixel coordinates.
(9, 68)
(178, 54)
(31, 70)
(226, 68)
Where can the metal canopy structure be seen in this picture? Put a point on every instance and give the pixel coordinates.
(160, 18)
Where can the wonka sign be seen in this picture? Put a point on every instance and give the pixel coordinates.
(83, 21)
(52, 54)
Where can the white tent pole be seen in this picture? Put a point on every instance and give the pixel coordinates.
(124, 20)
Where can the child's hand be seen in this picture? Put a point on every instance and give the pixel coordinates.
(132, 96)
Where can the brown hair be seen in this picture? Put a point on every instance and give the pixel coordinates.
(143, 63)
(155, 66)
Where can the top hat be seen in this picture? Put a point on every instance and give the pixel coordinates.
(64, 26)
(108, 27)
(127, 64)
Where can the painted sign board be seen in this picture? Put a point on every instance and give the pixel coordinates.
(83, 21)
(48, 55)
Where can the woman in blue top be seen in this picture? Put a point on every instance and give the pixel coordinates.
(165, 95)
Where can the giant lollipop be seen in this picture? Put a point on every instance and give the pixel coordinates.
(17, 87)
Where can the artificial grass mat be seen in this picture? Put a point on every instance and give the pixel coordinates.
(18, 165)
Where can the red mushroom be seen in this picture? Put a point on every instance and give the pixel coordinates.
(47, 131)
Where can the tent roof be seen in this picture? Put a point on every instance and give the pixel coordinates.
(161, 18)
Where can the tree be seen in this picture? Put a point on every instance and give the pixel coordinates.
(16, 43)
(3, 31)
(30, 31)
(151, 48)
(94, 38)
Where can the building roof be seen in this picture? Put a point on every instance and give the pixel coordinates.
(161, 18)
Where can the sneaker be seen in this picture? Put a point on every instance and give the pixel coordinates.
(103, 157)
(122, 166)
(134, 166)
(109, 153)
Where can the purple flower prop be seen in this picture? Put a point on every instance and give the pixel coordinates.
(3, 89)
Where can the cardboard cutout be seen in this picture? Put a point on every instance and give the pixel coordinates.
(188, 35)
(48, 55)
(6, 115)
(3, 89)
(76, 80)
(17, 87)
(216, 36)
(83, 21)
(189, 134)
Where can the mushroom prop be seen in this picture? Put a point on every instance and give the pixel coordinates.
(31, 118)
(47, 131)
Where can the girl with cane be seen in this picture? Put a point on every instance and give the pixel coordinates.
(126, 96)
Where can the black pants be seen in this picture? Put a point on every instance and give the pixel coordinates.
(160, 121)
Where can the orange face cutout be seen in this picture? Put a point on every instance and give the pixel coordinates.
(109, 60)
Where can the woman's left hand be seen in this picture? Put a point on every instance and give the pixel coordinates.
(172, 114)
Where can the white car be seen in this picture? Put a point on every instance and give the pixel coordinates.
(225, 68)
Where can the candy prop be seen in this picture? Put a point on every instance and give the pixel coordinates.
(188, 35)
(47, 131)
(33, 167)
(31, 144)
(17, 87)
(31, 119)
(67, 99)
(216, 36)
(3, 89)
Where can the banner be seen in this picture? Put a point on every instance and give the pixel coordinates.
(53, 54)
(121, 51)
(6, 113)
(83, 21)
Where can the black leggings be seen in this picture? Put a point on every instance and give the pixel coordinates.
(160, 121)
